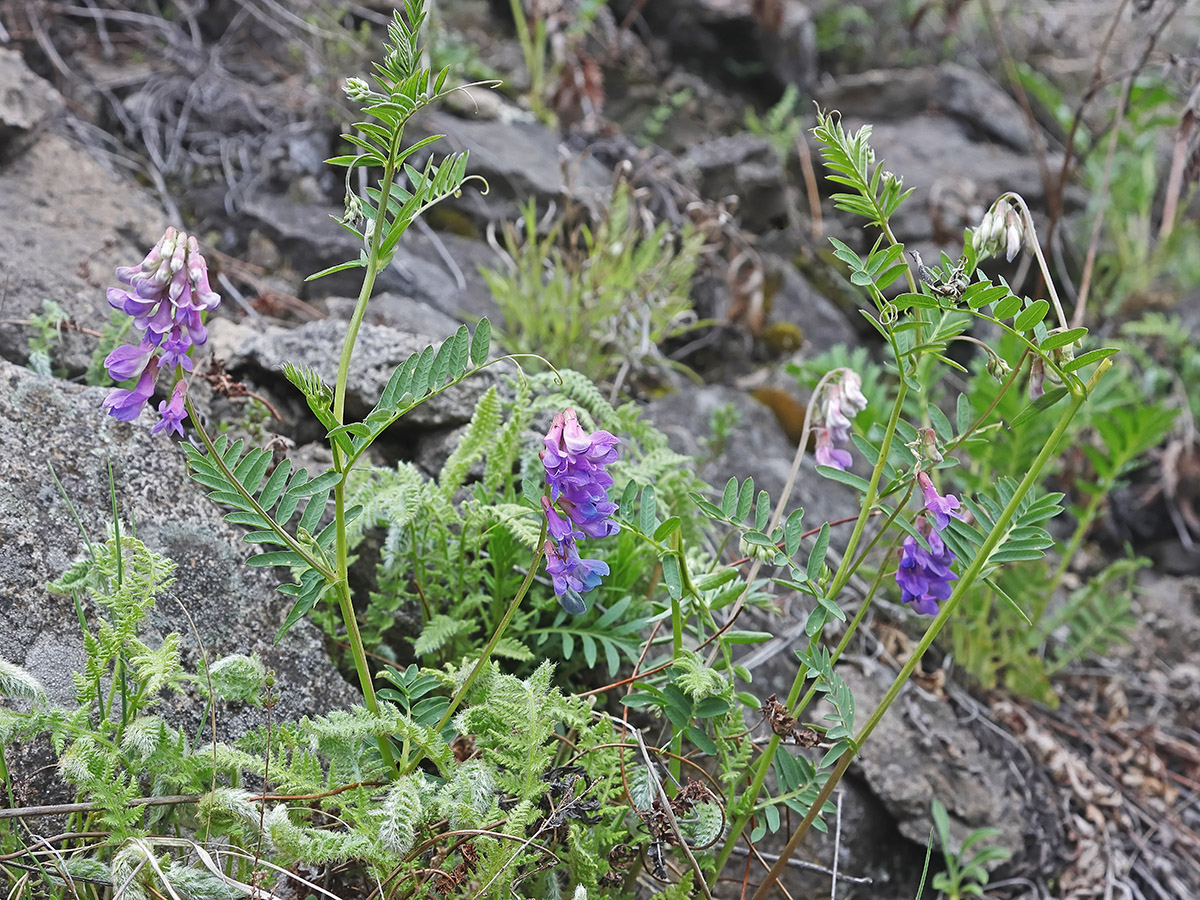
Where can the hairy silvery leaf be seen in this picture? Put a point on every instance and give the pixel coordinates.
(238, 677)
(643, 789)
(467, 799)
(401, 814)
(143, 736)
(128, 866)
(704, 824)
(79, 867)
(229, 803)
(191, 883)
(17, 684)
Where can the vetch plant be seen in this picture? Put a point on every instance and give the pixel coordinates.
(462, 779)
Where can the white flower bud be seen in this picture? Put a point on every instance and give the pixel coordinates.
(853, 400)
(1013, 235)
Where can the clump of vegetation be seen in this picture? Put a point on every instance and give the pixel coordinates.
(605, 296)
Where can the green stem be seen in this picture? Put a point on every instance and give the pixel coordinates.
(750, 797)
(491, 645)
(845, 570)
(1078, 395)
(342, 549)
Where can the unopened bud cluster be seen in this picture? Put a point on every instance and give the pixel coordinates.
(1001, 231)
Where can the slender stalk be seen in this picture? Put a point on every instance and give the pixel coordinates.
(341, 547)
(1081, 528)
(491, 645)
(1078, 395)
(839, 581)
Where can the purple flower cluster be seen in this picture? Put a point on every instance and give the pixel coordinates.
(575, 470)
(924, 575)
(168, 293)
(833, 431)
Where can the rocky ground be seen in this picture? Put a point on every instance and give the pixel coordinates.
(222, 129)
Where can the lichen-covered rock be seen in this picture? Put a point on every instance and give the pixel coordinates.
(46, 424)
(378, 351)
(65, 222)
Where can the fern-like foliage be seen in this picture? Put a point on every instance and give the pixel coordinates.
(481, 434)
(1097, 616)
(841, 701)
(612, 633)
(1023, 539)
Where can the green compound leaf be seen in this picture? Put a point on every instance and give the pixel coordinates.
(422, 376)
(1063, 338)
(1008, 306)
(848, 478)
(236, 479)
(793, 530)
(1031, 315)
(1043, 402)
(1086, 359)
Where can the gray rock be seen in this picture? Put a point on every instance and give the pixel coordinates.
(756, 447)
(975, 99)
(395, 311)
(955, 176)
(715, 33)
(26, 101)
(968, 95)
(234, 608)
(61, 239)
(378, 352)
(920, 752)
(745, 166)
(823, 323)
(520, 161)
(441, 271)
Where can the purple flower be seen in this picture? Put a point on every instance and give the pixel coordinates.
(578, 504)
(829, 455)
(574, 457)
(557, 527)
(941, 507)
(126, 405)
(842, 401)
(924, 575)
(173, 412)
(128, 361)
(167, 295)
(568, 571)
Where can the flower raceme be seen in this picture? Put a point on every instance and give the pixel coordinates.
(167, 295)
(578, 505)
(843, 401)
(923, 575)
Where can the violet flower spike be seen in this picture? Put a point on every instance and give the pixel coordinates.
(924, 576)
(577, 506)
(843, 400)
(166, 295)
